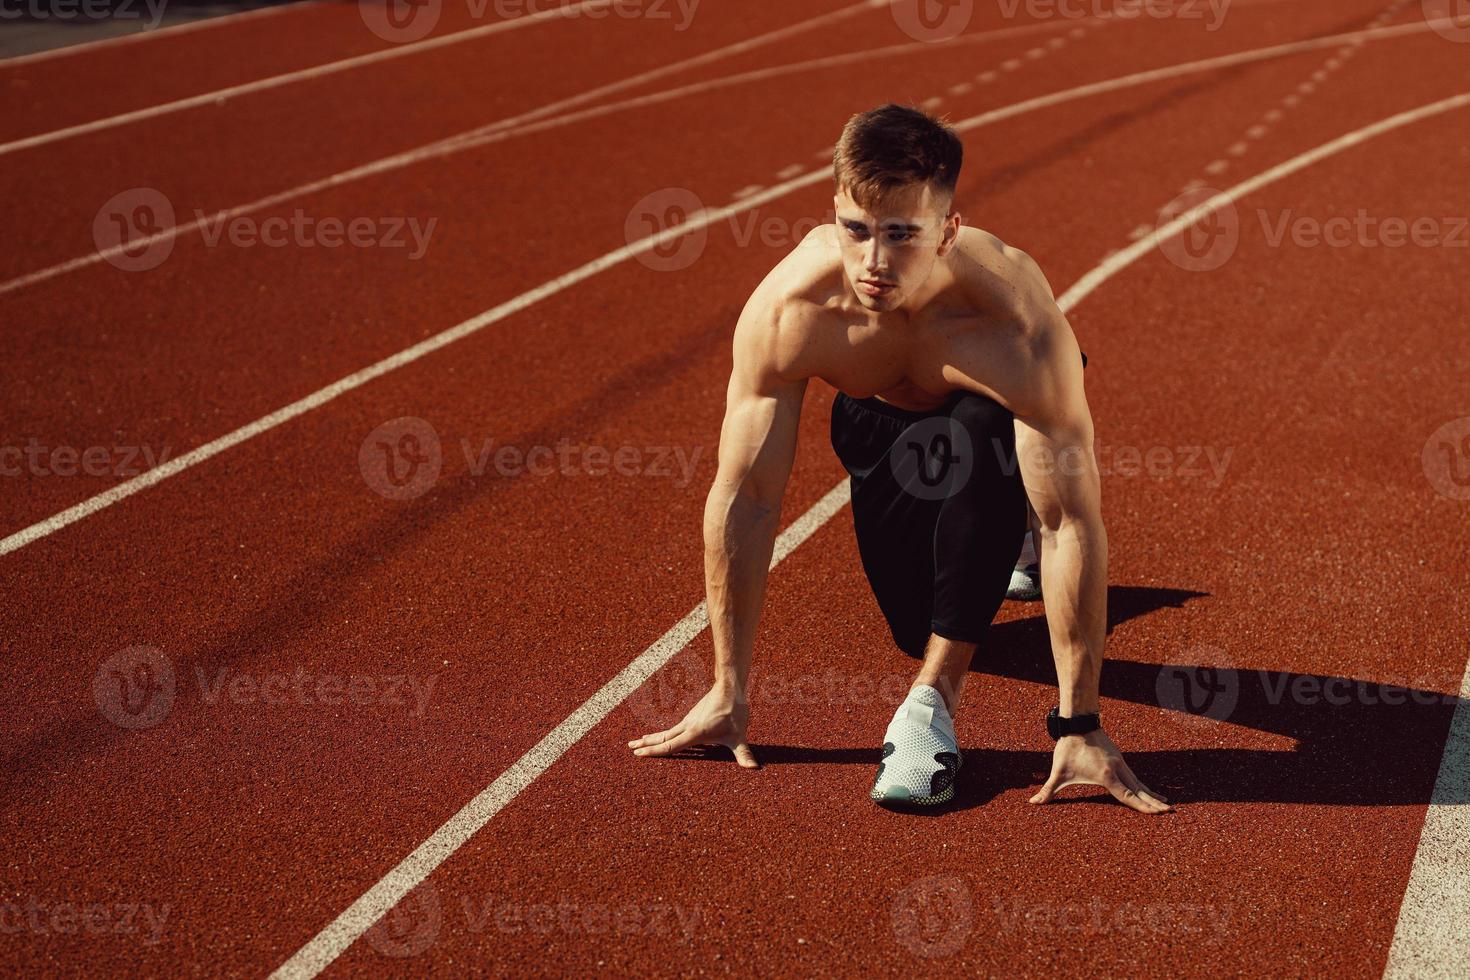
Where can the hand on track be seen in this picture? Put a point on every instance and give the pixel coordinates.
(716, 719)
(1094, 759)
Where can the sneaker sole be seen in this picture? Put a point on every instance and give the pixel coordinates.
(898, 798)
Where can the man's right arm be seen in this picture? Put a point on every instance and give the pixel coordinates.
(742, 512)
(741, 515)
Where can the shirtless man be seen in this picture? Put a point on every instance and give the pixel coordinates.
(952, 362)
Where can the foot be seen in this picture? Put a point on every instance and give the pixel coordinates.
(1025, 584)
(1026, 578)
(920, 756)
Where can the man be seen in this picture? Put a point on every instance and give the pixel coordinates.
(952, 363)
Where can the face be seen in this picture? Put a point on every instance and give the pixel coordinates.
(888, 257)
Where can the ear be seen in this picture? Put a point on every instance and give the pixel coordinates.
(950, 234)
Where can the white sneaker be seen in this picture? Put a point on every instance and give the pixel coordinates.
(1025, 584)
(1026, 578)
(920, 756)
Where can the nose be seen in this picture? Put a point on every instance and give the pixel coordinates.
(873, 257)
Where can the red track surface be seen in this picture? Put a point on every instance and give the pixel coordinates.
(1323, 552)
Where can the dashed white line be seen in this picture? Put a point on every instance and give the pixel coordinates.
(179, 464)
(292, 77)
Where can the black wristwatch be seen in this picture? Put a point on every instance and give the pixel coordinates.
(1057, 726)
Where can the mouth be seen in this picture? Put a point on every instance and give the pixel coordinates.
(875, 288)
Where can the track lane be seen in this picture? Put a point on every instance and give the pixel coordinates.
(256, 290)
(197, 513)
(216, 156)
(1354, 776)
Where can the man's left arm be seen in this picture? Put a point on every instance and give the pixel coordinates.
(1054, 447)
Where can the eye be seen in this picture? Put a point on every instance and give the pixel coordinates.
(858, 232)
(899, 236)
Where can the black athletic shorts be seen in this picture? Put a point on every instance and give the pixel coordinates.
(939, 509)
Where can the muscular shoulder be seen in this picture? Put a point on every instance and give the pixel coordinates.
(1009, 284)
(784, 315)
(998, 275)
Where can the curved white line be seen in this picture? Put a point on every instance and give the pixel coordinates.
(521, 124)
(360, 916)
(445, 147)
(291, 77)
(357, 379)
(169, 32)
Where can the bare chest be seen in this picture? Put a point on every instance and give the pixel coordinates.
(917, 368)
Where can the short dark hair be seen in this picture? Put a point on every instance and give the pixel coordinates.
(892, 146)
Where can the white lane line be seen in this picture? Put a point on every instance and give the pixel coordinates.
(178, 464)
(168, 32)
(448, 146)
(520, 126)
(291, 77)
(328, 944)
(1129, 255)
(1432, 938)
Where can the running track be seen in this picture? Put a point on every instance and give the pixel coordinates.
(494, 821)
